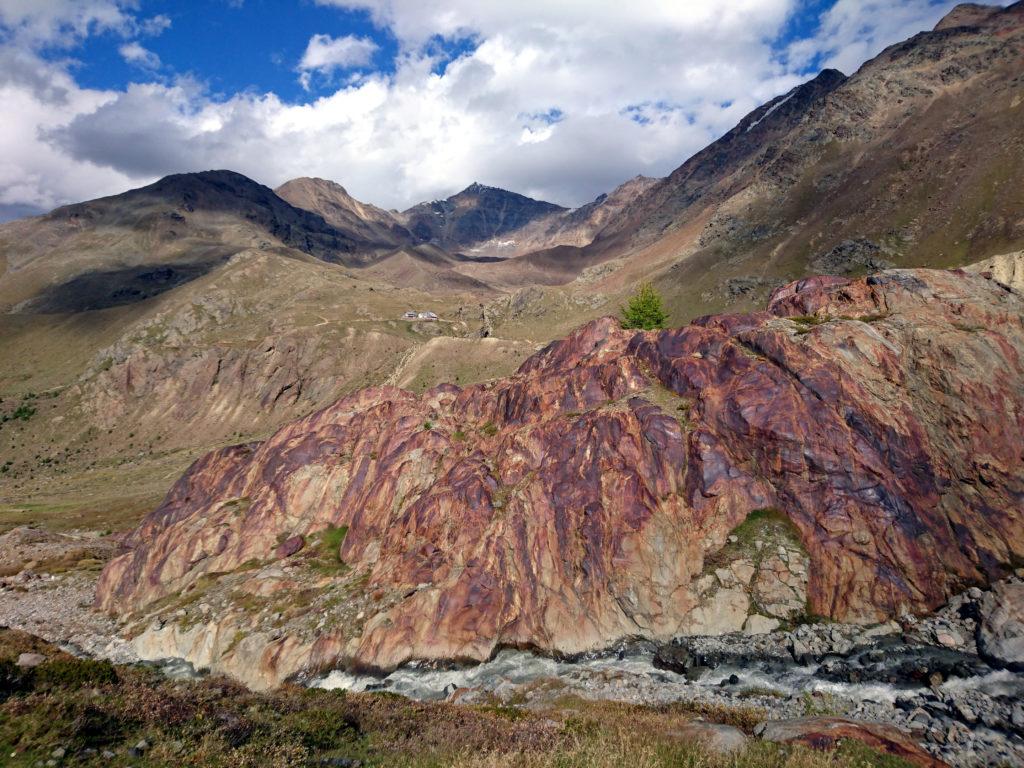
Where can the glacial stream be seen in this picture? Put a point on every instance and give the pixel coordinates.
(595, 676)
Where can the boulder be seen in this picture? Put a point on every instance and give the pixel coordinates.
(725, 611)
(826, 733)
(28, 660)
(760, 625)
(1001, 629)
(714, 737)
(289, 547)
(579, 500)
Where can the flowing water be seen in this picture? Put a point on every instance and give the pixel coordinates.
(519, 667)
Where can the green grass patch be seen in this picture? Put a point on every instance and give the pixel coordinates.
(332, 538)
(762, 523)
(325, 554)
(873, 318)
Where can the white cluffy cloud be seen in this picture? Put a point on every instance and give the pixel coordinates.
(326, 54)
(559, 100)
(135, 54)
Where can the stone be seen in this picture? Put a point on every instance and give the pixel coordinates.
(920, 715)
(289, 547)
(760, 625)
(1000, 633)
(965, 712)
(949, 638)
(714, 737)
(743, 570)
(881, 630)
(726, 577)
(29, 660)
(1017, 716)
(799, 649)
(826, 733)
(725, 611)
(774, 593)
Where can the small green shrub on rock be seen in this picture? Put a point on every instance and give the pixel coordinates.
(644, 310)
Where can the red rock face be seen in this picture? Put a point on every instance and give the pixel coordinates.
(574, 503)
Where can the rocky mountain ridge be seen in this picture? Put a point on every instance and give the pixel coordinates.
(575, 227)
(889, 156)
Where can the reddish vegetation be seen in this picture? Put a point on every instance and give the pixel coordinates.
(574, 502)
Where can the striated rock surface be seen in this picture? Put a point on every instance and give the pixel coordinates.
(586, 497)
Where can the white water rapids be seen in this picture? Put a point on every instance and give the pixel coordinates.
(520, 667)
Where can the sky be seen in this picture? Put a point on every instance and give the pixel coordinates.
(402, 100)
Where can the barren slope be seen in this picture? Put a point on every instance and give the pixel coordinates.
(911, 161)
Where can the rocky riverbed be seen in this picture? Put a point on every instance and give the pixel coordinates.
(953, 682)
(47, 588)
(925, 676)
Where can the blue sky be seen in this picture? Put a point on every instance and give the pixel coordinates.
(257, 45)
(253, 45)
(402, 100)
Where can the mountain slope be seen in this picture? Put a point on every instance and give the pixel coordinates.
(131, 246)
(910, 161)
(343, 212)
(717, 172)
(139, 329)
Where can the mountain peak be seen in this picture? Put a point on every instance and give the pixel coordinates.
(312, 181)
(476, 214)
(829, 76)
(966, 15)
(332, 201)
